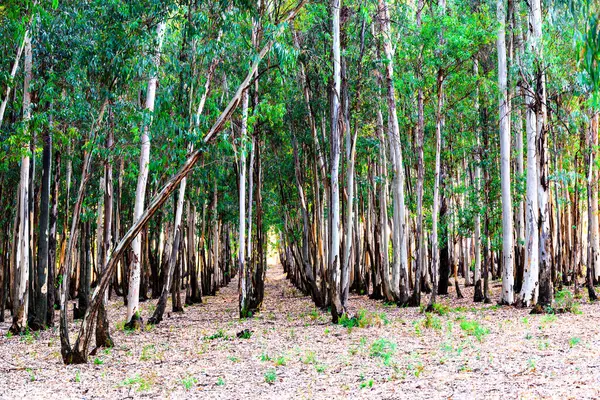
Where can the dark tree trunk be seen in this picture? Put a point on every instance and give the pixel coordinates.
(444, 251)
(38, 320)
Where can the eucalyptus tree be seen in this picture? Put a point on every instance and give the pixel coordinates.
(399, 284)
(20, 289)
(504, 118)
(133, 316)
(536, 44)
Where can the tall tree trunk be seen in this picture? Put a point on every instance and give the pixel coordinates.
(507, 296)
(595, 233)
(337, 307)
(20, 291)
(546, 294)
(103, 338)
(52, 243)
(133, 316)
(592, 251)
(421, 250)
(41, 303)
(400, 260)
(435, 260)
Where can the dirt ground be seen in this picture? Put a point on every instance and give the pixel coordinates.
(294, 352)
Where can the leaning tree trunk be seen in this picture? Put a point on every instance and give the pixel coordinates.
(79, 352)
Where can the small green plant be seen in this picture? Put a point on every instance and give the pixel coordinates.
(314, 314)
(364, 319)
(384, 349)
(271, 375)
(548, 318)
(98, 361)
(77, 376)
(432, 322)
(9, 334)
(26, 336)
(188, 382)
(220, 381)
(564, 302)
(234, 359)
(220, 334)
(31, 374)
(531, 364)
(245, 334)
(265, 357)
(141, 384)
(309, 358)
(440, 309)
(148, 352)
(280, 361)
(473, 328)
(320, 368)
(367, 384)
(574, 341)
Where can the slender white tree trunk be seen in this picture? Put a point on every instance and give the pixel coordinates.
(529, 290)
(435, 252)
(400, 261)
(383, 213)
(507, 296)
(133, 295)
(337, 308)
(546, 291)
(13, 72)
(22, 262)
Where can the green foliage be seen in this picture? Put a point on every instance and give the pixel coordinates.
(271, 376)
(574, 341)
(473, 328)
(364, 319)
(220, 381)
(384, 349)
(220, 334)
(188, 382)
(140, 383)
(309, 357)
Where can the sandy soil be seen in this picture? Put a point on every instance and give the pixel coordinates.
(470, 353)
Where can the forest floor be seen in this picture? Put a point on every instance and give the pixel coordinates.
(471, 352)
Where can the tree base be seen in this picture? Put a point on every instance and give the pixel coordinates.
(478, 294)
(136, 323)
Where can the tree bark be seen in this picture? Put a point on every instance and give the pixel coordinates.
(507, 296)
(133, 317)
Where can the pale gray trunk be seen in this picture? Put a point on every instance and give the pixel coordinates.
(133, 295)
(507, 296)
(400, 261)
